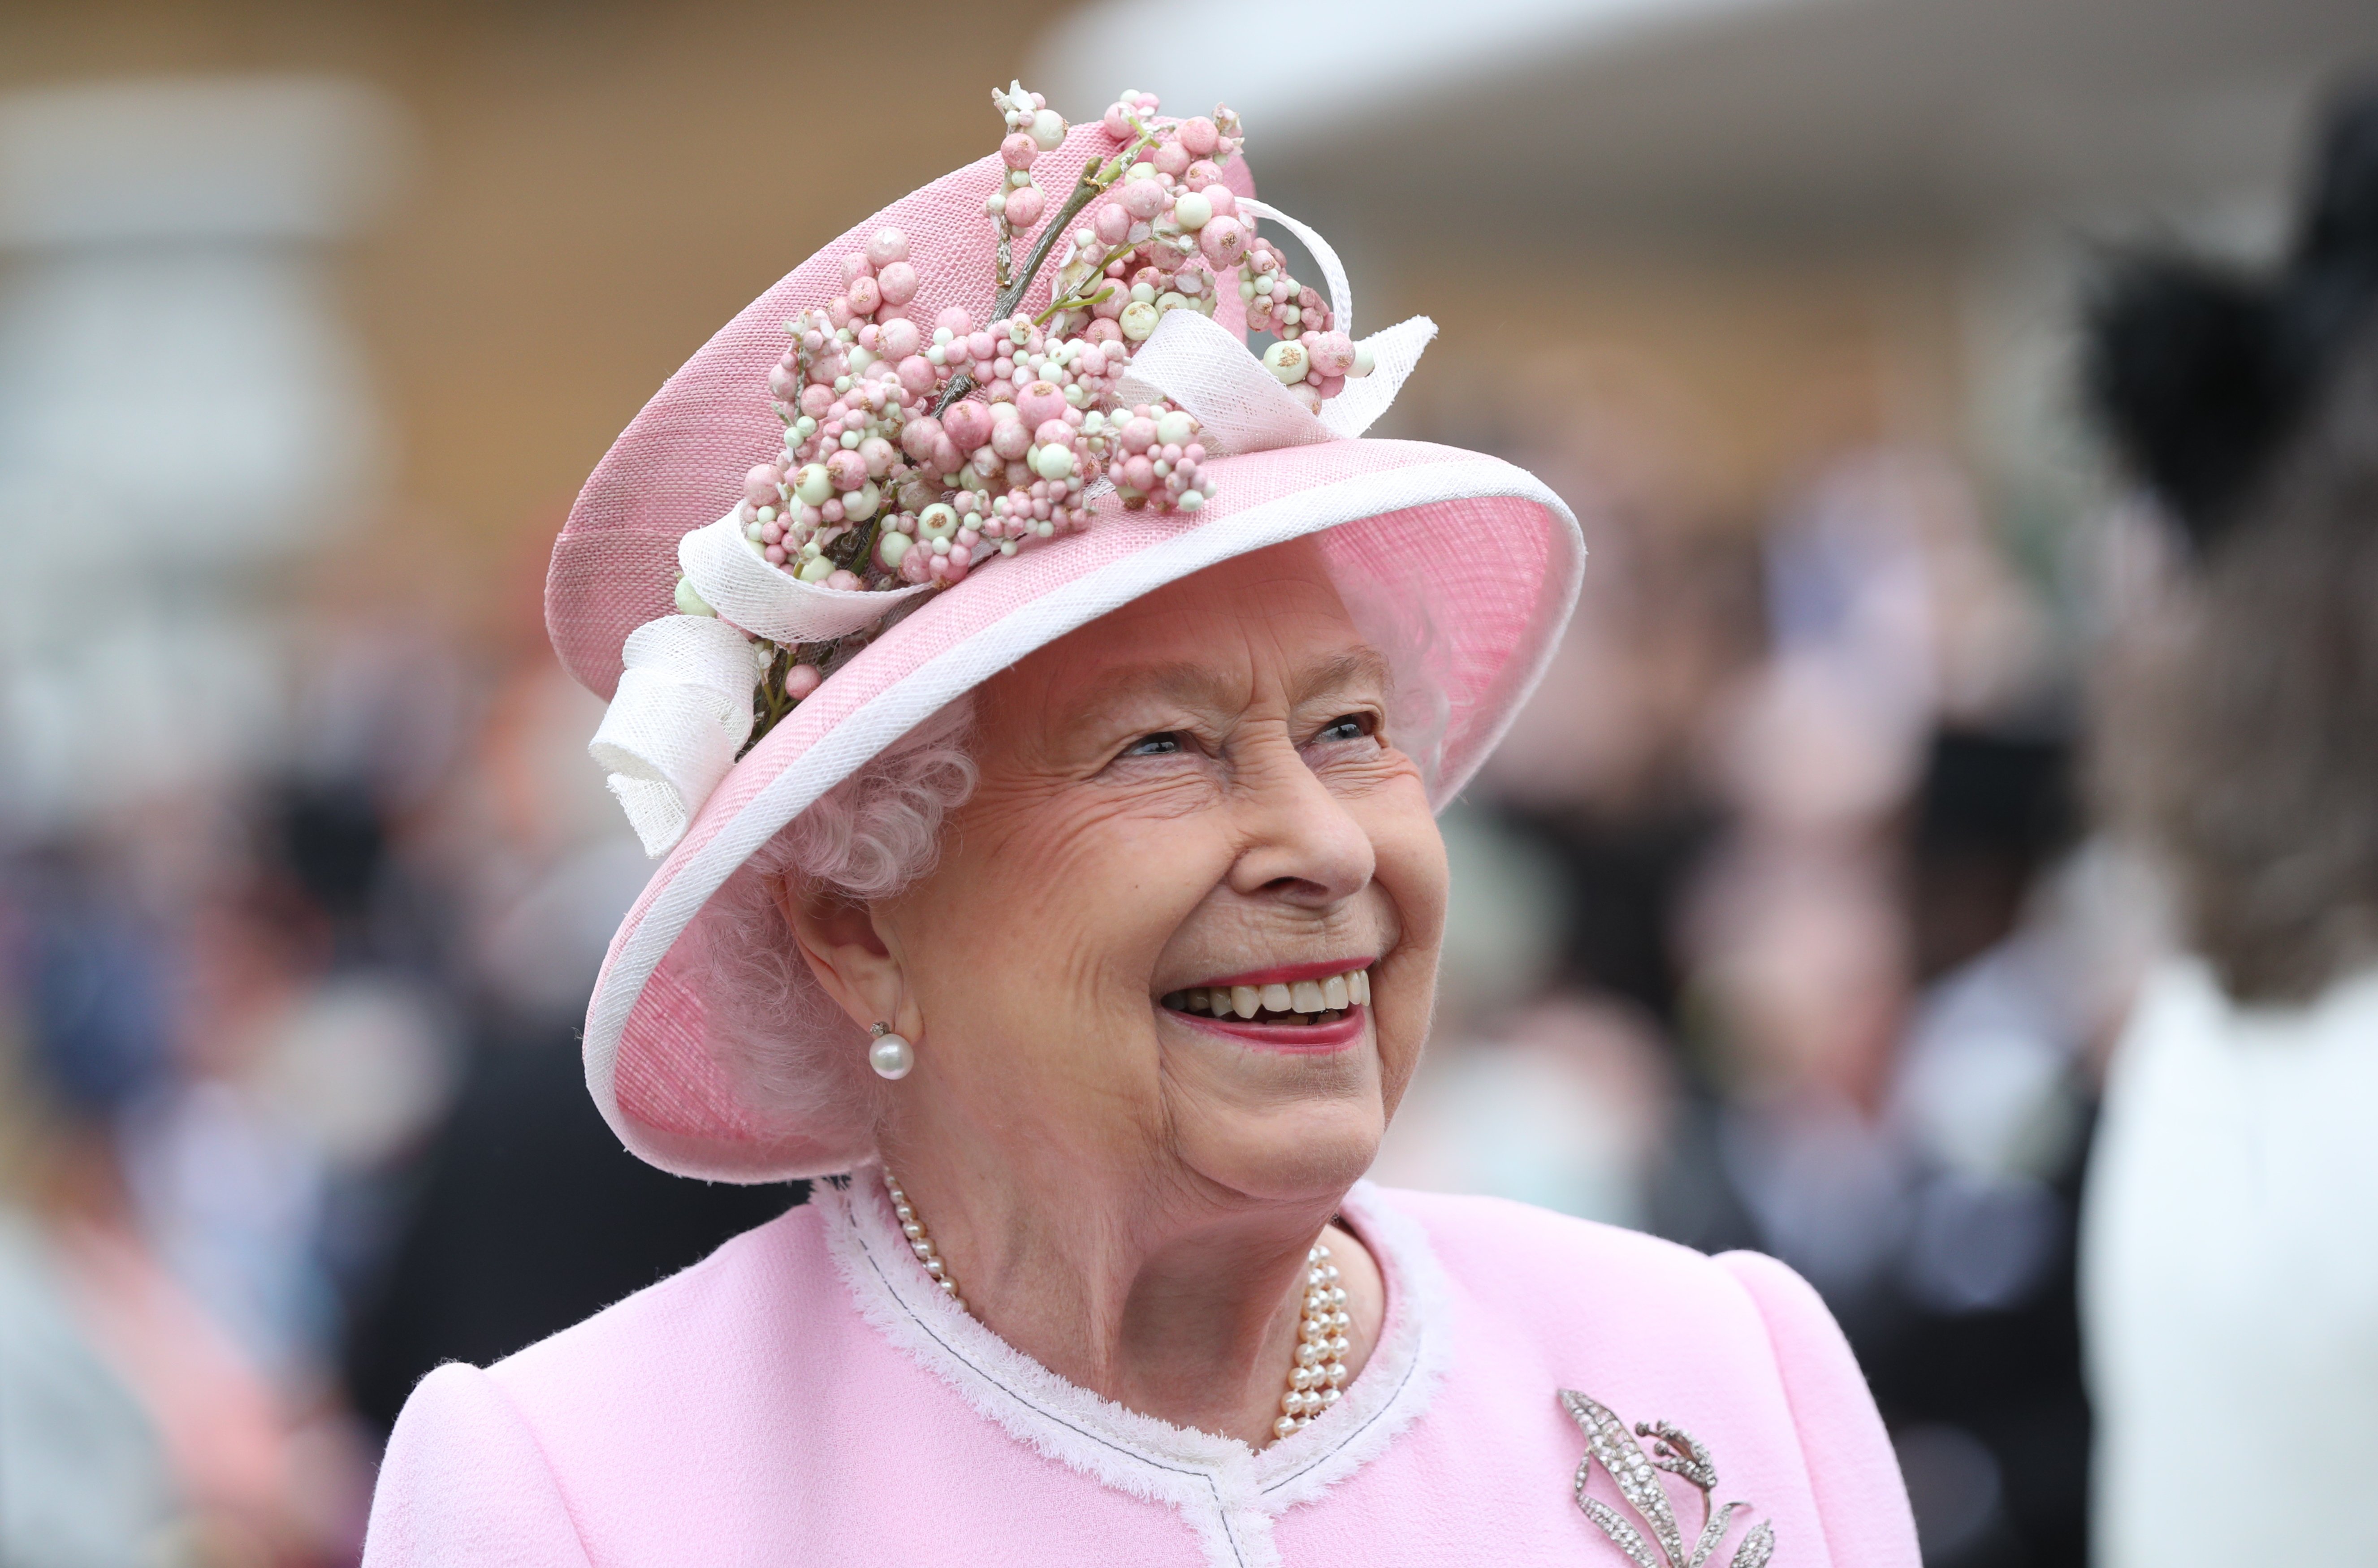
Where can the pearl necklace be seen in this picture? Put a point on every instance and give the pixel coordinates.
(1316, 1379)
(920, 1243)
(1319, 1374)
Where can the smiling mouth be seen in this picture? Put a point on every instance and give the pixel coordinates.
(1306, 1002)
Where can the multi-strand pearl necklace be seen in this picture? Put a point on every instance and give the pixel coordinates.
(1319, 1374)
(1314, 1381)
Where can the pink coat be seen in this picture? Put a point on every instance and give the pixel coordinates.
(805, 1395)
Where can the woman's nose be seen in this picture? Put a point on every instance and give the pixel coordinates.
(1302, 843)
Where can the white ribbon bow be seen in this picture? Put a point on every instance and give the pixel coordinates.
(1240, 405)
(683, 711)
(683, 707)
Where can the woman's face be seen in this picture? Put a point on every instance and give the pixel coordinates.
(1197, 798)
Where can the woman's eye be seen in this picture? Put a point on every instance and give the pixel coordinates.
(1164, 743)
(1352, 726)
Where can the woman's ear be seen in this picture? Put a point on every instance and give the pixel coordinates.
(848, 952)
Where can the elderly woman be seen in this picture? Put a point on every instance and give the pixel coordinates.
(1044, 749)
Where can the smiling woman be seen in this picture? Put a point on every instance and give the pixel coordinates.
(877, 833)
(1071, 851)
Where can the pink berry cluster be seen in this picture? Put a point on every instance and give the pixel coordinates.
(1015, 207)
(1311, 358)
(876, 488)
(913, 453)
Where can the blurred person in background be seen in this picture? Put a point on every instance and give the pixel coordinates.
(522, 1214)
(2230, 1291)
(1552, 1075)
(1880, 1020)
(1537, 1085)
(1770, 931)
(137, 1425)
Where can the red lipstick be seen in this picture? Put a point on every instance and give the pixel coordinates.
(1297, 1039)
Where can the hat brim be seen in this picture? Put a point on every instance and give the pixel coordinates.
(1490, 549)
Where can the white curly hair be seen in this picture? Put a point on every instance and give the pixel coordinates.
(880, 830)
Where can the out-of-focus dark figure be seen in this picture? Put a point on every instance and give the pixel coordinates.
(2230, 1292)
(1927, 1181)
(522, 1214)
(529, 1215)
(1971, 1338)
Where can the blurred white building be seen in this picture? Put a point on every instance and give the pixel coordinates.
(185, 416)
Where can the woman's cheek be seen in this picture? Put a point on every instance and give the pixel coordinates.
(1414, 876)
(1412, 869)
(1113, 877)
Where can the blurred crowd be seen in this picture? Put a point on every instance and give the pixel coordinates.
(1785, 919)
(294, 1110)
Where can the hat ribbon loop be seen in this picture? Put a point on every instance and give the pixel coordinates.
(683, 711)
(1240, 405)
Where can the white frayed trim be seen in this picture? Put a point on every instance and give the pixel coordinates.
(1227, 1492)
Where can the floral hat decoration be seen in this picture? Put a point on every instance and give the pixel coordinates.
(1013, 400)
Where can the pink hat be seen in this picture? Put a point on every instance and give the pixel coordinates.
(718, 608)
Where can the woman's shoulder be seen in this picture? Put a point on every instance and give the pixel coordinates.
(685, 1318)
(1616, 1283)
(1736, 1349)
(1520, 1244)
(691, 1329)
(496, 1464)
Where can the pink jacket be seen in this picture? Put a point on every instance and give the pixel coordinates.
(805, 1395)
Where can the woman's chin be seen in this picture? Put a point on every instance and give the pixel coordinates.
(1277, 1125)
(1314, 1158)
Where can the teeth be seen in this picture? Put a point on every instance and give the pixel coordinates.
(1301, 1001)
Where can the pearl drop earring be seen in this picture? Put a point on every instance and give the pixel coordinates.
(890, 1056)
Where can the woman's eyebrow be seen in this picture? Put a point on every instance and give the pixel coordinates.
(1202, 686)
(1356, 667)
(1185, 681)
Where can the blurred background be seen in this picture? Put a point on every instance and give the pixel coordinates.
(1782, 920)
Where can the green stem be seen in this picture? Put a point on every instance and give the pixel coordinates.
(855, 546)
(769, 703)
(1098, 178)
(1057, 305)
(960, 384)
(1085, 190)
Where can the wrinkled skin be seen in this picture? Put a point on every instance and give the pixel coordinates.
(1203, 784)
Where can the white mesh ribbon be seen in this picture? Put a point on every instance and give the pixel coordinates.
(1240, 405)
(732, 578)
(1395, 352)
(683, 711)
